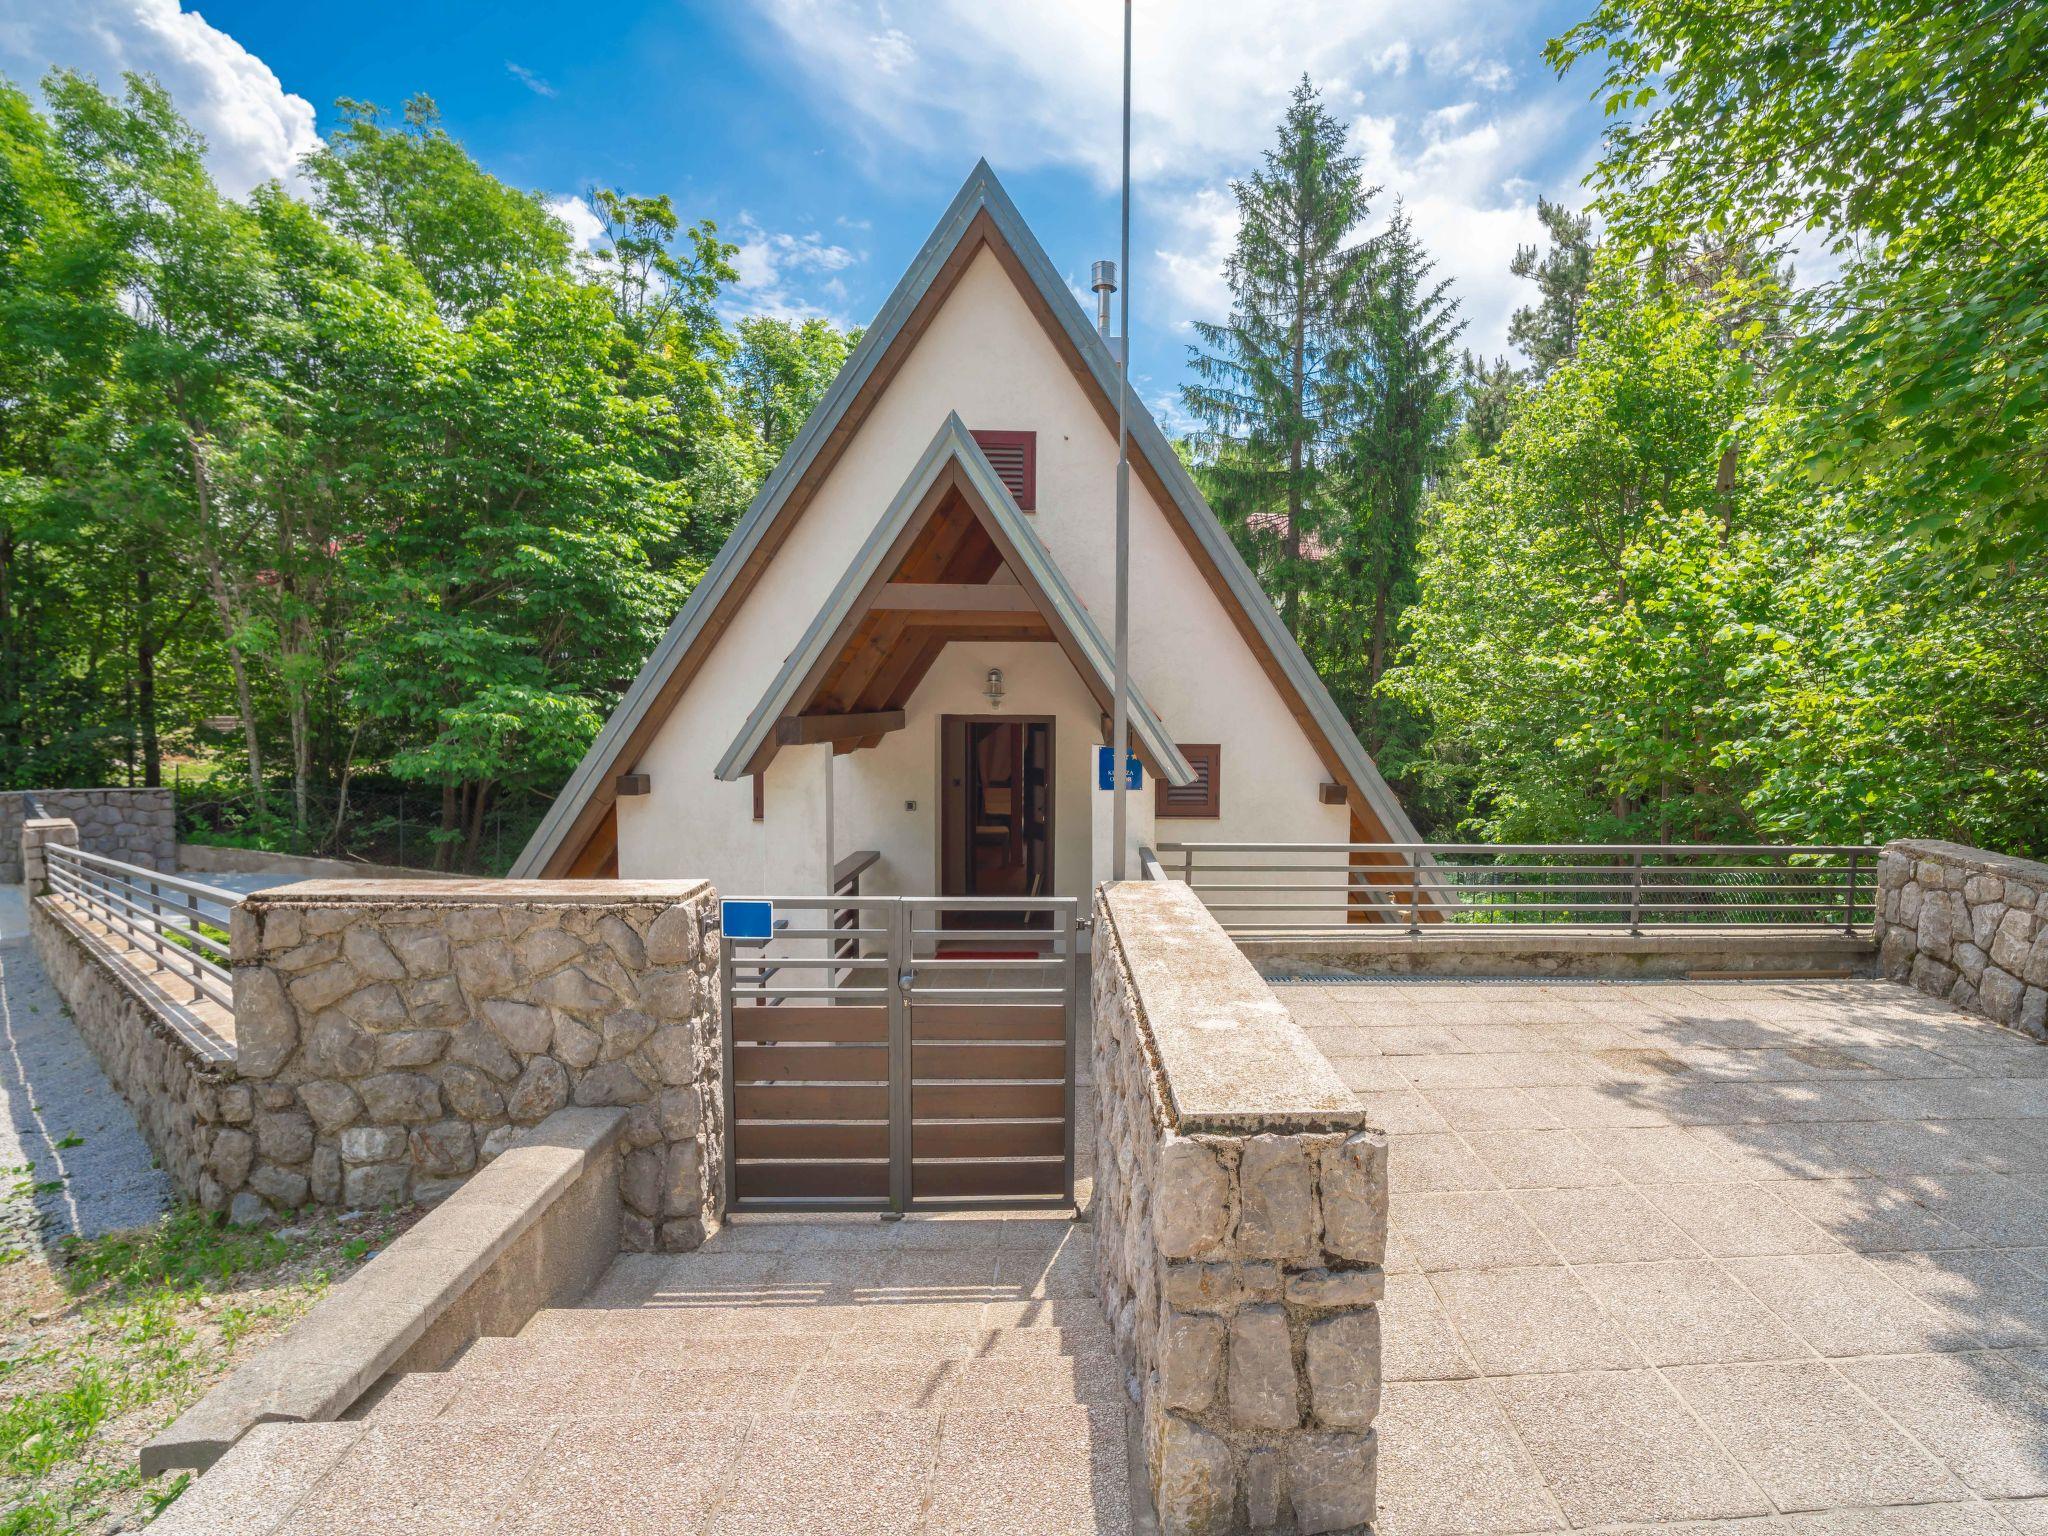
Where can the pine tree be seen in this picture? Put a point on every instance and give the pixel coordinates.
(1489, 403)
(1548, 330)
(1273, 392)
(1406, 373)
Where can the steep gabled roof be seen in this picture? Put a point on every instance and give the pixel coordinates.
(981, 213)
(953, 454)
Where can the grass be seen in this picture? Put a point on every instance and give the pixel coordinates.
(111, 1339)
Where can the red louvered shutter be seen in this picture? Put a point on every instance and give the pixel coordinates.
(1014, 457)
(1202, 799)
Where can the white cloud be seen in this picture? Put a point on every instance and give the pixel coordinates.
(1040, 84)
(255, 129)
(789, 276)
(529, 79)
(1435, 104)
(585, 227)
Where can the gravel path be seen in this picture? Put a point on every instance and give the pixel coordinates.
(71, 1159)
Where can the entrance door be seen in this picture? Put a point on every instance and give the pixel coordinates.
(995, 806)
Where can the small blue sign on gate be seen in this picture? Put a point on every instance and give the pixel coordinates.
(1134, 771)
(747, 921)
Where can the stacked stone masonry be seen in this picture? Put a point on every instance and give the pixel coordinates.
(1968, 927)
(136, 826)
(183, 1095)
(1240, 1266)
(396, 1035)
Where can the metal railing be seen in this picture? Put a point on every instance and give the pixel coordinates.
(182, 924)
(1328, 888)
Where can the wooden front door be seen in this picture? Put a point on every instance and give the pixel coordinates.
(995, 805)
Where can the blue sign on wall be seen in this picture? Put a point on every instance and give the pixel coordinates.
(747, 921)
(1134, 771)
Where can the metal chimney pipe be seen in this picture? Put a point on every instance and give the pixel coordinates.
(1102, 278)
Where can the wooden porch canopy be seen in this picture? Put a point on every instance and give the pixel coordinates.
(951, 559)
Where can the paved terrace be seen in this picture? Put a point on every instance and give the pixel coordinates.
(1667, 1253)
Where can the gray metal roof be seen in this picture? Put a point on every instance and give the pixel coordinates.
(981, 193)
(953, 445)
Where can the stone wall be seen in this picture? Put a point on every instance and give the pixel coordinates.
(1969, 927)
(137, 826)
(178, 1078)
(399, 1033)
(1240, 1210)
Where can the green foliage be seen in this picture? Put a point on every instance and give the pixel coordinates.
(1913, 140)
(1274, 391)
(392, 478)
(1638, 620)
(1548, 330)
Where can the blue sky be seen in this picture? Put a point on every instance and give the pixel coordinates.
(825, 136)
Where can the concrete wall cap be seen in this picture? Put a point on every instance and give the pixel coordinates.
(469, 893)
(1231, 1059)
(2004, 864)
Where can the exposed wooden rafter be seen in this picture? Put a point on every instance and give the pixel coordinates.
(809, 730)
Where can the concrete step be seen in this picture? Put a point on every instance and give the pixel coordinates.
(1055, 1470)
(826, 1320)
(615, 1384)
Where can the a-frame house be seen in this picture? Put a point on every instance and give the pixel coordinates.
(901, 647)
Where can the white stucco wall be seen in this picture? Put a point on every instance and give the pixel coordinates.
(985, 356)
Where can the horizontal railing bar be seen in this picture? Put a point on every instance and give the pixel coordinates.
(967, 963)
(1393, 877)
(989, 903)
(987, 935)
(96, 898)
(104, 880)
(757, 990)
(226, 898)
(1561, 850)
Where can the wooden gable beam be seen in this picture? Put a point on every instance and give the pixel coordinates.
(809, 730)
(952, 597)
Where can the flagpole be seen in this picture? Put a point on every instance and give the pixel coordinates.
(1120, 735)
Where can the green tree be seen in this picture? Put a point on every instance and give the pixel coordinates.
(781, 371)
(1567, 645)
(1548, 330)
(415, 189)
(1913, 139)
(1273, 391)
(1490, 391)
(1406, 375)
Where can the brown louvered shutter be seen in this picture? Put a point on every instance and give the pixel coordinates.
(1014, 457)
(1204, 797)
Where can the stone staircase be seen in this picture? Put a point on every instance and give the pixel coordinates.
(940, 1375)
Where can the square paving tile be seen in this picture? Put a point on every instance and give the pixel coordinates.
(1809, 1439)
(1871, 1215)
(1490, 1109)
(1480, 1229)
(1400, 1111)
(1737, 1220)
(1435, 1161)
(1983, 1291)
(1520, 1320)
(1984, 1416)
(1416, 1339)
(1449, 1463)
(1541, 1159)
(1689, 1311)
(1604, 1226)
(1657, 1154)
(1619, 1446)
(1843, 1305)
(991, 1475)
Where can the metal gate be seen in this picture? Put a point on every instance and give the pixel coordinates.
(901, 1052)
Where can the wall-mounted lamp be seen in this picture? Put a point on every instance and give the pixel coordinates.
(994, 687)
